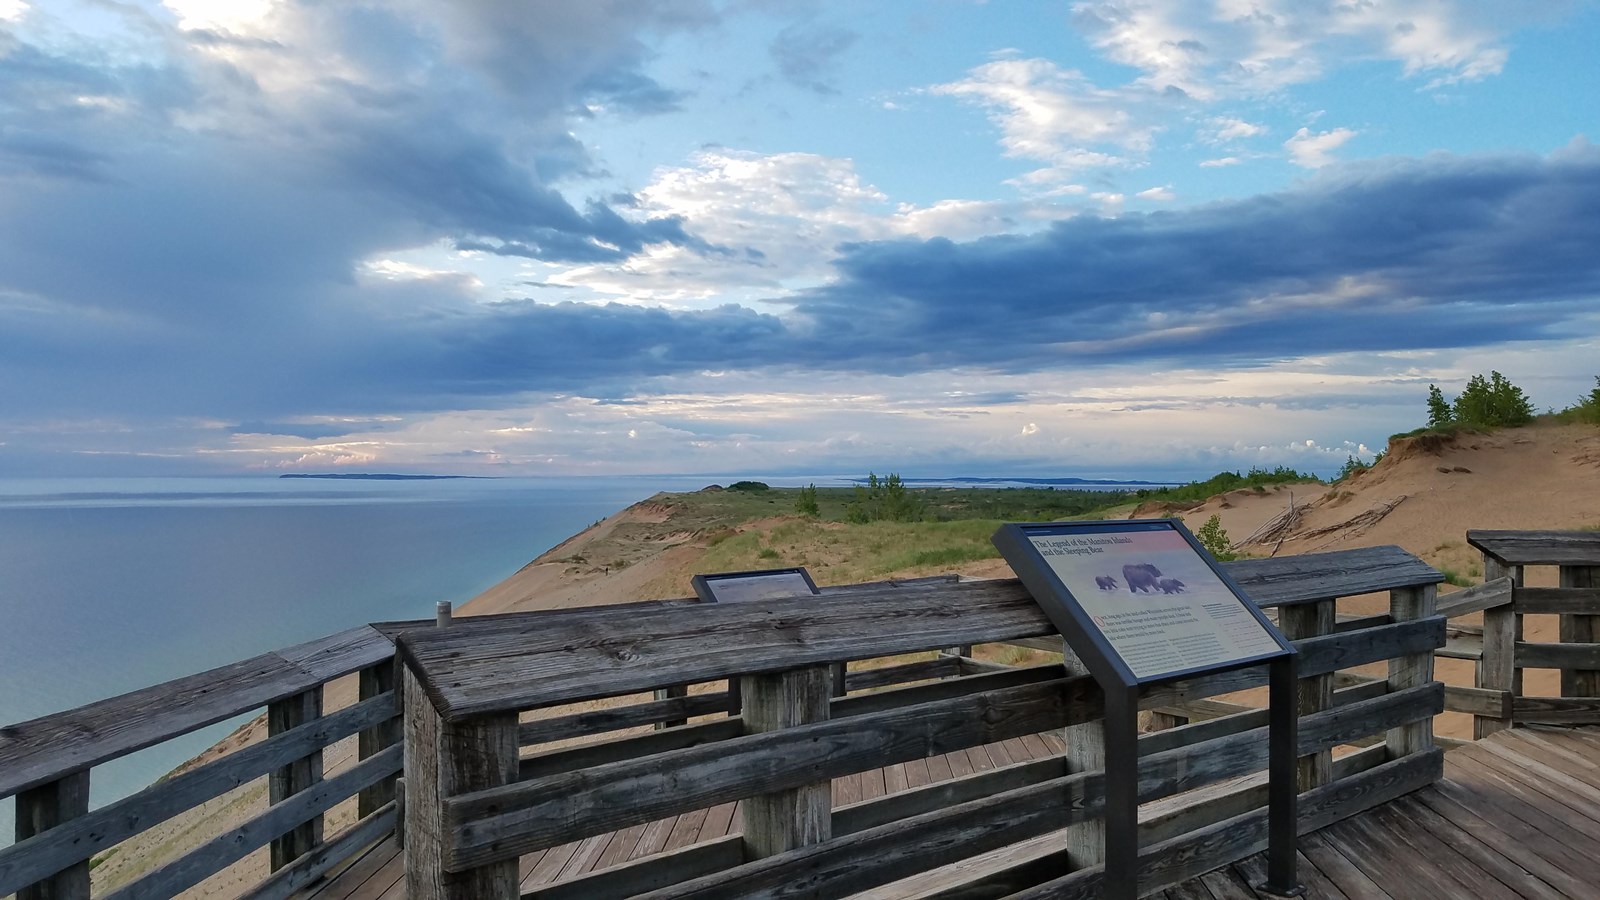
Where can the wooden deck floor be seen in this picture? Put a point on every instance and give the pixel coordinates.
(1517, 816)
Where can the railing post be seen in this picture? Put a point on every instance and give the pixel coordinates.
(300, 775)
(1086, 752)
(1502, 628)
(1411, 671)
(444, 759)
(372, 682)
(784, 820)
(1298, 622)
(1580, 629)
(43, 808)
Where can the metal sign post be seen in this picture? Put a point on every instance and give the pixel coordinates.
(1141, 603)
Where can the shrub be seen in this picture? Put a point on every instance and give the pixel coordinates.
(1495, 403)
(748, 486)
(806, 503)
(1212, 537)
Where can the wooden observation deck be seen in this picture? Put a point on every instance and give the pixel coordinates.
(682, 750)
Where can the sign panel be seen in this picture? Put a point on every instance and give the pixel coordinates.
(1146, 589)
(768, 584)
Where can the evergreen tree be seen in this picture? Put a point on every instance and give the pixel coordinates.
(1439, 414)
(806, 504)
(1493, 403)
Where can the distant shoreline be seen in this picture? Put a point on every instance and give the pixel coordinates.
(385, 476)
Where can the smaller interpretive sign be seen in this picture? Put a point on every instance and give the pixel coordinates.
(767, 584)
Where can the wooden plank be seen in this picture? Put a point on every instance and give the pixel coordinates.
(1382, 858)
(1532, 762)
(1182, 858)
(1512, 838)
(42, 811)
(199, 864)
(41, 750)
(1477, 598)
(79, 839)
(1345, 622)
(961, 789)
(1309, 577)
(444, 759)
(1538, 548)
(1490, 771)
(648, 874)
(796, 815)
(526, 816)
(1478, 701)
(1406, 605)
(1581, 629)
(288, 881)
(1337, 868)
(1458, 856)
(294, 776)
(1555, 711)
(1465, 647)
(1496, 669)
(1559, 600)
(372, 682)
(485, 665)
(1504, 800)
(941, 667)
(1531, 655)
(599, 721)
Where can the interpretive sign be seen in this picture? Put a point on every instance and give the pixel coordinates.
(767, 584)
(1146, 587)
(1139, 602)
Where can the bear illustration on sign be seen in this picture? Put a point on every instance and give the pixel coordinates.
(1105, 582)
(1142, 578)
(1171, 586)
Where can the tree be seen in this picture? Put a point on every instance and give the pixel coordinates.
(1212, 537)
(1439, 414)
(1495, 403)
(806, 504)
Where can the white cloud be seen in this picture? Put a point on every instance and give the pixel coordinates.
(1056, 115)
(12, 11)
(1163, 193)
(1220, 162)
(1225, 129)
(1313, 151)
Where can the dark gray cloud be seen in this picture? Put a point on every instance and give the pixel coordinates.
(807, 54)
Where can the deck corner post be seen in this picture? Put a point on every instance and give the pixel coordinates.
(1416, 670)
(784, 820)
(375, 681)
(445, 758)
(1580, 629)
(1085, 752)
(1315, 694)
(1502, 628)
(43, 808)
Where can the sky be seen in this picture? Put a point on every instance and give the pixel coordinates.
(933, 237)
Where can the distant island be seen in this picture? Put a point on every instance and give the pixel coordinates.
(379, 476)
(968, 479)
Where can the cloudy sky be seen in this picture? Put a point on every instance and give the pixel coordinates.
(688, 236)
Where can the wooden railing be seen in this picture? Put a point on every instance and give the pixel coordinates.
(476, 803)
(1498, 647)
(46, 763)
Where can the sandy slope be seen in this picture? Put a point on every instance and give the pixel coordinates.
(1423, 496)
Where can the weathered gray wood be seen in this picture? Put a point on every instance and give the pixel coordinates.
(1557, 656)
(377, 681)
(650, 873)
(530, 815)
(980, 667)
(1185, 857)
(943, 794)
(213, 856)
(1235, 718)
(1343, 622)
(940, 667)
(40, 812)
(1538, 548)
(1299, 622)
(1478, 701)
(599, 721)
(1310, 577)
(288, 881)
(295, 776)
(445, 759)
(43, 749)
(672, 692)
(1581, 629)
(483, 665)
(1085, 752)
(1477, 598)
(1556, 711)
(1464, 647)
(81, 838)
(792, 817)
(1559, 600)
(1405, 605)
(1502, 627)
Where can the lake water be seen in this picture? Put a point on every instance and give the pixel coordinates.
(109, 585)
